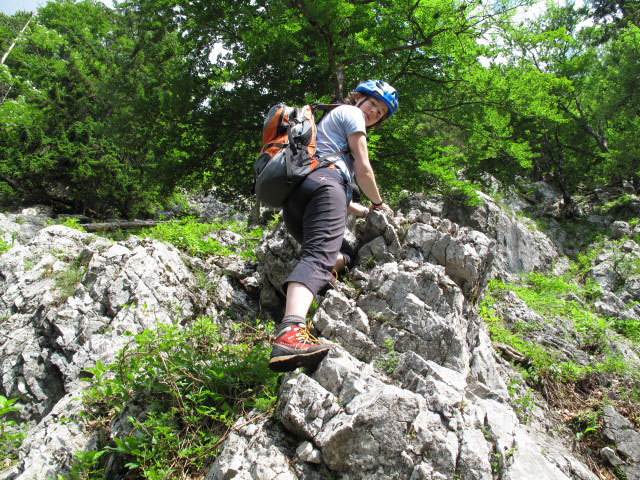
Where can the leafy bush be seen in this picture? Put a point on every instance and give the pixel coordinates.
(72, 223)
(194, 386)
(628, 327)
(190, 236)
(11, 435)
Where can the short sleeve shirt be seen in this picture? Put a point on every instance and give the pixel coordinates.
(333, 132)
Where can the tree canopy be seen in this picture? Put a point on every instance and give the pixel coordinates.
(108, 111)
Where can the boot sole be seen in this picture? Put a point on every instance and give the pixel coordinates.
(288, 363)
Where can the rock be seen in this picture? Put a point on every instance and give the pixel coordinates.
(257, 449)
(69, 299)
(308, 406)
(620, 229)
(48, 449)
(308, 453)
(612, 457)
(413, 390)
(620, 431)
(277, 253)
(210, 208)
(519, 248)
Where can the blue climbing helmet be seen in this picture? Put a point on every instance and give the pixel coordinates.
(382, 90)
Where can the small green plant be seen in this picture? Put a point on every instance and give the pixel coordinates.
(496, 463)
(273, 223)
(390, 360)
(628, 327)
(587, 423)
(191, 236)
(11, 435)
(204, 284)
(370, 262)
(67, 280)
(4, 246)
(72, 223)
(86, 466)
(523, 404)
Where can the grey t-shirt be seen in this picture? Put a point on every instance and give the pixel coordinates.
(333, 132)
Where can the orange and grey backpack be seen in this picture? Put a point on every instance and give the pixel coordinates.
(288, 152)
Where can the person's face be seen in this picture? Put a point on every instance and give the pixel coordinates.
(373, 109)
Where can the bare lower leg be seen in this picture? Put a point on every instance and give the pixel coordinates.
(339, 266)
(299, 299)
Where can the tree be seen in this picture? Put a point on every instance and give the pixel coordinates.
(103, 119)
(300, 51)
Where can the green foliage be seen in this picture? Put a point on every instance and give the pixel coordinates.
(546, 294)
(390, 361)
(106, 111)
(523, 403)
(85, 466)
(587, 423)
(4, 246)
(628, 327)
(196, 386)
(190, 236)
(95, 101)
(11, 435)
(72, 223)
(67, 280)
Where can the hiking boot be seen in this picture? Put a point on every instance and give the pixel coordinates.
(295, 347)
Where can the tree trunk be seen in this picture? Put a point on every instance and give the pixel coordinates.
(111, 226)
(6, 54)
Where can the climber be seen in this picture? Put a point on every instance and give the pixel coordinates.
(315, 215)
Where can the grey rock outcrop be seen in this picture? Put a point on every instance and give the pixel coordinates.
(520, 246)
(259, 448)
(621, 432)
(415, 389)
(71, 299)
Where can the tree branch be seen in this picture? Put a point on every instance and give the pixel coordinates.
(585, 125)
(399, 48)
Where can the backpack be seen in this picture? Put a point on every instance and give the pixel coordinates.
(288, 152)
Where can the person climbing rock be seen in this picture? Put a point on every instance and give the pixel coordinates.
(315, 214)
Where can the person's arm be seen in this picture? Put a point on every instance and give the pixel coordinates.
(364, 173)
(357, 209)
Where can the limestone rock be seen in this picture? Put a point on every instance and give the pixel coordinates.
(257, 449)
(70, 299)
(626, 439)
(519, 247)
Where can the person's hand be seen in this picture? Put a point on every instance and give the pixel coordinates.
(384, 206)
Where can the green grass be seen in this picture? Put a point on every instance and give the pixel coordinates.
(67, 280)
(548, 296)
(4, 246)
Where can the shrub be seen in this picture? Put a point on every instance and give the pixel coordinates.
(190, 236)
(11, 435)
(195, 386)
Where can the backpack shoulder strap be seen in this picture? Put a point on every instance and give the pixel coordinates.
(324, 108)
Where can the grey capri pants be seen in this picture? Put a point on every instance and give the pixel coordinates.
(315, 215)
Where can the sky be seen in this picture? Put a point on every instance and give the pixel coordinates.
(12, 6)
